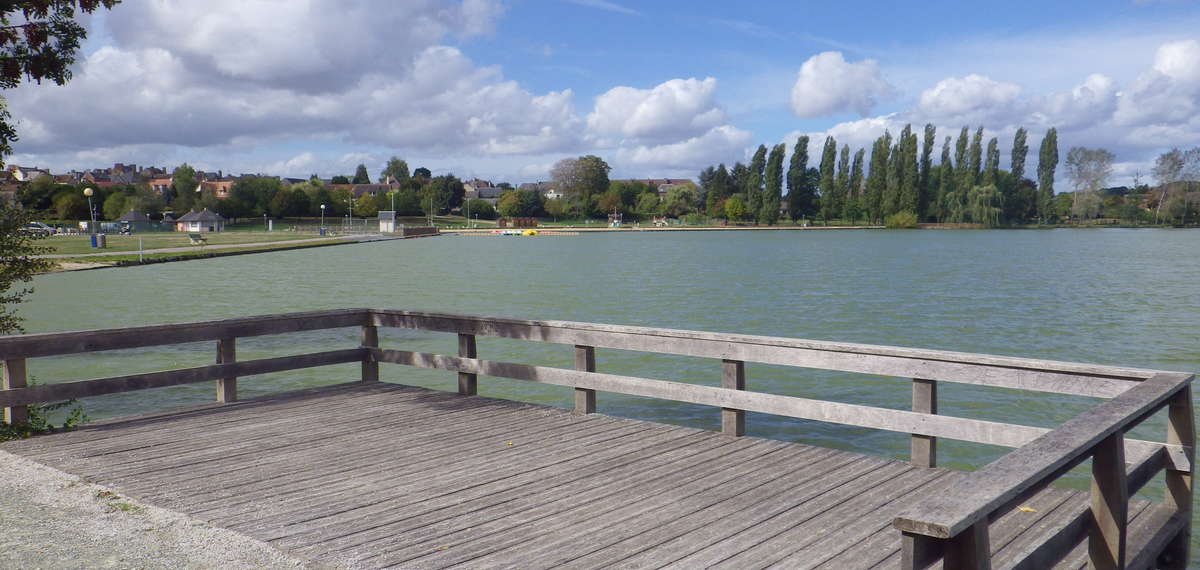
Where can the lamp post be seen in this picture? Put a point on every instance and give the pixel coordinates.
(91, 210)
(321, 230)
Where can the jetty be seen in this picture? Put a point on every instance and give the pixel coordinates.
(380, 474)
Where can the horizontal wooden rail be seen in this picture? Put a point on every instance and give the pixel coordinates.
(996, 487)
(962, 429)
(100, 386)
(1006, 372)
(61, 343)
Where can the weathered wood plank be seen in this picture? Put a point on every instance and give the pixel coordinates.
(14, 379)
(923, 448)
(984, 493)
(368, 339)
(1181, 430)
(60, 343)
(1109, 504)
(468, 383)
(97, 387)
(227, 386)
(733, 377)
(585, 360)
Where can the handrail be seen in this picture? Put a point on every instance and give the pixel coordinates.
(984, 492)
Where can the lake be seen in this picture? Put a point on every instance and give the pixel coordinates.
(1112, 296)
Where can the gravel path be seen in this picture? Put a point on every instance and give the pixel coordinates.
(51, 519)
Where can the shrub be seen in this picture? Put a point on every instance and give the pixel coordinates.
(901, 220)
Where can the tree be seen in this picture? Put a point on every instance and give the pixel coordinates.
(754, 182)
(360, 175)
(768, 212)
(582, 177)
(442, 193)
(1167, 169)
(802, 197)
(984, 205)
(114, 206)
(422, 173)
(680, 200)
(648, 204)
(945, 182)
(364, 206)
(991, 163)
(483, 210)
(855, 202)
(831, 201)
(17, 249)
(396, 168)
(183, 188)
(1047, 163)
(508, 204)
(735, 208)
(975, 158)
(1089, 170)
(841, 178)
(891, 188)
(877, 177)
(925, 188)
(908, 198)
(1019, 150)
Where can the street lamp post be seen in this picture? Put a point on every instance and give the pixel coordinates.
(321, 230)
(91, 210)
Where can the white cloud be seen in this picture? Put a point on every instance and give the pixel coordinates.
(1092, 101)
(974, 98)
(606, 6)
(670, 110)
(688, 156)
(1169, 93)
(1179, 61)
(828, 84)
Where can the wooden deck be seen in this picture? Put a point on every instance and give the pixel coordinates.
(378, 475)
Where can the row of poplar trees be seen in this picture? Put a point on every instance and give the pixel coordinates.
(967, 185)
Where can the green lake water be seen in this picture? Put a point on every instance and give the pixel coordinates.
(1110, 296)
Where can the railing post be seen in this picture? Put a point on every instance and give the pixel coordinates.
(467, 383)
(14, 377)
(968, 550)
(227, 354)
(1181, 430)
(924, 399)
(1110, 504)
(585, 360)
(370, 366)
(733, 377)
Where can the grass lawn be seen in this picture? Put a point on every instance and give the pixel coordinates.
(117, 243)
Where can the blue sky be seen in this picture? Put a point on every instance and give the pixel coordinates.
(503, 89)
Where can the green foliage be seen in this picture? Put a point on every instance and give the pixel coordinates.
(991, 163)
(831, 199)
(901, 220)
(681, 200)
(583, 177)
(39, 419)
(925, 187)
(519, 203)
(396, 168)
(481, 209)
(877, 177)
(340, 179)
(735, 208)
(975, 158)
(556, 208)
(183, 189)
(908, 197)
(841, 179)
(422, 173)
(768, 212)
(984, 205)
(1047, 163)
(856, 199)
(802, 196)
(17, 250)
(648, 204)
(364, 207)
(754, 180)
(1019, 149)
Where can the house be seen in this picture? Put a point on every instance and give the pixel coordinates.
(548, 189)
(134, 221)
(23, 174)
(220, 187)
(202, 221)
(160, 184)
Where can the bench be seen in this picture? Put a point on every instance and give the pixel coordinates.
(197, 239)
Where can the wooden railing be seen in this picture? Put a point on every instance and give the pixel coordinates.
(950, 527)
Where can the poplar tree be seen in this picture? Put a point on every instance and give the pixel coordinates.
(831, 202)
(945, 181)
(768, 212)
(991, 163)
(895, 172)
(877, 177)
(854, 200)
(908, 198)
(1047, 163)
(1019, 150)
(925, 187)
(842, 177)
(754, 182)
(975, 158)
(802, 196)
(961, 168)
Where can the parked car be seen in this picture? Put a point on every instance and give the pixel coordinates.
(37, 229)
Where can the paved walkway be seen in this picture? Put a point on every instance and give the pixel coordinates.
(217, 247)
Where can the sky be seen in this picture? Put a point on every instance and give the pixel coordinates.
(503, 89)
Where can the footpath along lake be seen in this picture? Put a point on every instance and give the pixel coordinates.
(1110, 296)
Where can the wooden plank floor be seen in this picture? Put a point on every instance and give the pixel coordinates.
(379, 475)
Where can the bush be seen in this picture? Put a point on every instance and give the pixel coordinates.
(901, 220)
